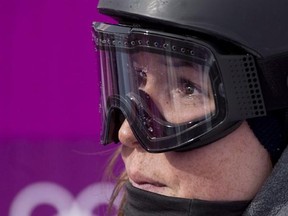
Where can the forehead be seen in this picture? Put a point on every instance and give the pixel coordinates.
(148, 56)
(165, 61)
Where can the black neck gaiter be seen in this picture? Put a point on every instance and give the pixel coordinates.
(144, 203)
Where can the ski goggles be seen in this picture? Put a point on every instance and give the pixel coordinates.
(176, 92)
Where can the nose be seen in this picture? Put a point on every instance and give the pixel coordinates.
(126, 136)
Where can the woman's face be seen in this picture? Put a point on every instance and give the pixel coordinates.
(180, 89)
(232, 168)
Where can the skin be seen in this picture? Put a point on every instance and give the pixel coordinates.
(173, 84)
(233, 168)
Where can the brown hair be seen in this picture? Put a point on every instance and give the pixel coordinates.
(119, 185)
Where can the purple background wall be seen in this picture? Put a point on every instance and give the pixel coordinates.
(49, 119)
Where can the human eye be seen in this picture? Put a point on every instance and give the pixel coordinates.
(187, 88)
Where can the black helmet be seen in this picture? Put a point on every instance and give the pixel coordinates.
(258, 25)
(242, 44)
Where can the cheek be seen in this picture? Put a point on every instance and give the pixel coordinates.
(191, 109)
(199, 162)
(191, 173)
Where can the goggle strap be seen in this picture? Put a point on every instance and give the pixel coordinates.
(274, 81)
(242, 87)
